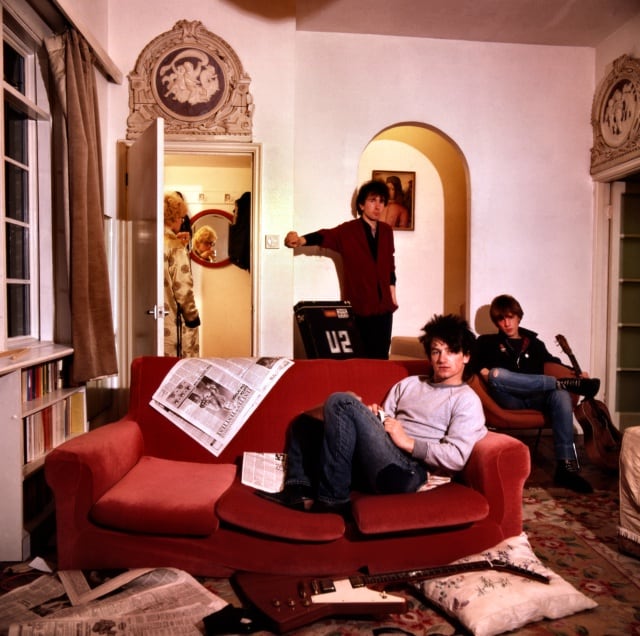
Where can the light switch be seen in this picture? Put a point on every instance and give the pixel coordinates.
(272, 241)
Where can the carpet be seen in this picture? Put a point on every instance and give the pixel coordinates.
(574, 535)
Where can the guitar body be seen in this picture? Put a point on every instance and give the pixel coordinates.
(601, 438)
(288, 603)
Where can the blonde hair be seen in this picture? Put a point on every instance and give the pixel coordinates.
(205, 233)
(174, 207)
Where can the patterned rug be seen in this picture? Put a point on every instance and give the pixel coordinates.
(574, 535)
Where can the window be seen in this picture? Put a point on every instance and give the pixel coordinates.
(24, 187)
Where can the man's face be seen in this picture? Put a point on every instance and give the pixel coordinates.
(448, 366)
(509, 325)
(373, 207)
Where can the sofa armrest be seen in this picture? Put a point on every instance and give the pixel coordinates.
(498, 467)
(82, 469)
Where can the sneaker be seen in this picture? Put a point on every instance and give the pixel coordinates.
(296, 497)
(566, 476)
(581, 386)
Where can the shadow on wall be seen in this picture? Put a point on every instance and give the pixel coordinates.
(483, 324)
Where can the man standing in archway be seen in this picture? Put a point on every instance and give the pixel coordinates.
(367, 249)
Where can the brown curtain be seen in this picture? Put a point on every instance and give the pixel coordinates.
(79, 195)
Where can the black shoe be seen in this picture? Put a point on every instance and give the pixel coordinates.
(296, 497)
(581, 386)
(567, 476)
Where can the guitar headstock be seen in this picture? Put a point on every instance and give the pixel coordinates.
(564, 345)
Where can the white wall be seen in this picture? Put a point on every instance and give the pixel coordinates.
(625, 41)
(520, 114)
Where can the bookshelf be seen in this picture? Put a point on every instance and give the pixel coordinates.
(39, 411)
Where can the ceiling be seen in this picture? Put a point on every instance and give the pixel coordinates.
(552, 22)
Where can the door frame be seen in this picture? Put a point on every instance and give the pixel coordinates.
(604, 349)
(190, 147)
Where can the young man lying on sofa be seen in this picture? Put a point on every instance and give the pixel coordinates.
(424, 425)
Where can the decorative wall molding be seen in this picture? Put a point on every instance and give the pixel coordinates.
(195, 81)
(615, 117)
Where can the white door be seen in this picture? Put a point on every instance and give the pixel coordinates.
(145, 187)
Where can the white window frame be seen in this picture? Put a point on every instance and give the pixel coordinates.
(25, 33)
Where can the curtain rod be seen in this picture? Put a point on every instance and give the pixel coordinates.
(104, 62)
(58, 14)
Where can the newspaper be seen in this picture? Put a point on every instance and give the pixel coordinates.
(264, 471)
(158, 602)
(210, 399)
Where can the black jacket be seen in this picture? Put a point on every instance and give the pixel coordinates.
(494, 350)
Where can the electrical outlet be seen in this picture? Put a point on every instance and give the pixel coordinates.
(271, 241)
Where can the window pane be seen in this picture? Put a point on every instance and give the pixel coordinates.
(17, 251)
(13, 68)
(16, 203)
(15, 131)
(18, 310)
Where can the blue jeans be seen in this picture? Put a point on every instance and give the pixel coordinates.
(352, 445)
(535, 391)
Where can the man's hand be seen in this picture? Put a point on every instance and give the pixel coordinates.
(292, 239)
(396, 432)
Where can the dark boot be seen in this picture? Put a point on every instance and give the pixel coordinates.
(567, 476)
(296, 496)
(581, 386)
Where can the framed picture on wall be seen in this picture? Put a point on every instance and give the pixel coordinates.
(400, 213)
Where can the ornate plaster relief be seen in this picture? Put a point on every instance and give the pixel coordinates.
(195, 81)
(615, 117)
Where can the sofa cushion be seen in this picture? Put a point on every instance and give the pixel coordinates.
(163, 496)
(242, 507)
(445, 506)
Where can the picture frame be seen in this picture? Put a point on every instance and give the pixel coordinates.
(400, 213)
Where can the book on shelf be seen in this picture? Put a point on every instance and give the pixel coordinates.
(41, 379)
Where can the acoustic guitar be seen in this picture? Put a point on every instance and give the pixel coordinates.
(601, 438)
(289, 603)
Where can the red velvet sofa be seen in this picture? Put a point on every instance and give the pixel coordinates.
(139, 492)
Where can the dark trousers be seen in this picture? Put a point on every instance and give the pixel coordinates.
(375, 334)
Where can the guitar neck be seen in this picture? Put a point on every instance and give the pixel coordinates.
(445, 570)
(564, 345)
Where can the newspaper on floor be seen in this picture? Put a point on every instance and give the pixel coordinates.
(210, 399)
(264, 471)
(158, 602)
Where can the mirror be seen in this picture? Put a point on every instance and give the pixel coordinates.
(203, 251)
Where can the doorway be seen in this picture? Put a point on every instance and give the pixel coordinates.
(236, 168)
(216, 183)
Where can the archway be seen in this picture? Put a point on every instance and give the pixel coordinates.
(441, 234)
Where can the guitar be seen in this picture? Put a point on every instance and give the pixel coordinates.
(289, 603)
(601, 438)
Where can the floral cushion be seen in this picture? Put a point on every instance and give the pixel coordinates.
(491, 602)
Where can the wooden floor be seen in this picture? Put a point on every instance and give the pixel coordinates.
(543, 464)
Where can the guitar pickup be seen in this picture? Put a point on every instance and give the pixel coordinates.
(322, 586)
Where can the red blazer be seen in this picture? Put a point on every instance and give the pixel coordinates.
(366, 281)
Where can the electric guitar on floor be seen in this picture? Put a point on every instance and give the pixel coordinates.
(289, 603)
(601, 438)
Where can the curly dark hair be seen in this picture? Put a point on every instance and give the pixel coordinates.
(368, 188)
(454, 331)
